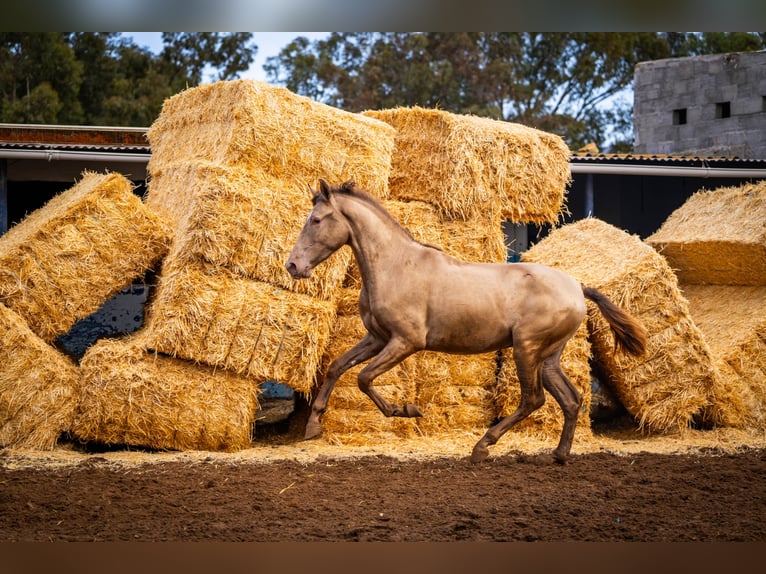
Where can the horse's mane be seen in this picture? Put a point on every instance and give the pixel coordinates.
(350, 188)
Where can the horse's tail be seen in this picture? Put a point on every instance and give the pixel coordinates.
(629, 334)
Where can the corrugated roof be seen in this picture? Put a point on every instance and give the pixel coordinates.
(132, 140)
(74, 138)
(666, 159)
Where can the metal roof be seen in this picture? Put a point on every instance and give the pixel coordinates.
(667, 159)
(53, 142)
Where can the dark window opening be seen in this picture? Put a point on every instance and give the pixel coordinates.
(679, 117)
(723, 110)
(763, 103)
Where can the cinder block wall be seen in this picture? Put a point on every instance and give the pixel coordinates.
(701, 86)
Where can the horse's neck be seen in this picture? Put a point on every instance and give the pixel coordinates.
(377, 241)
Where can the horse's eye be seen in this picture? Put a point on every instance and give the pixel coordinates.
(315, 220)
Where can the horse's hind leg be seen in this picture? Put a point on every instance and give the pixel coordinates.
(395, 351)
(529, 372)
(568, 397)
(359, 353)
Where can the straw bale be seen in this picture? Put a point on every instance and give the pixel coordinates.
(733, 320)
(347, 297)
(548, 420)
(244, 221)
(131, 396)
(471, 167)
(257, 126)
(38, 387)
(670, 384)
(717, 237)
(210, 315)
(454, 392)
(60, 263)
(351, 417)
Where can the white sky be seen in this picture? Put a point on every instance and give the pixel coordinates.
(269, 44)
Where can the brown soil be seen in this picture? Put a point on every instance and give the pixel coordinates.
(708, 495)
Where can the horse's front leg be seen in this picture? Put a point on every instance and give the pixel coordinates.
(395, 351)
(359, 353)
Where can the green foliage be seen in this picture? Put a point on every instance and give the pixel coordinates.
(95, 78)
(566, 83)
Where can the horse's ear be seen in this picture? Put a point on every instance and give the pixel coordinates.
(324, 189)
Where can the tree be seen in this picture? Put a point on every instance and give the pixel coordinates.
(187, 55)
(39, 68)
(566, 83)
(104, 79)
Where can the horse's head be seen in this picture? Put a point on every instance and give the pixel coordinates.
(324, 232)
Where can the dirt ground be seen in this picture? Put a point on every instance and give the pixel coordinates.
(622, 488)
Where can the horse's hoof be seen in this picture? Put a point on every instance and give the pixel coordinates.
(479, 454)
(411, 411)
(313, 430)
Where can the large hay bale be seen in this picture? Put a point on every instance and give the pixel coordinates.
(670, 384)
(717, 237)
(733, 320)
(471, 167)
(210, 315)
(454, 392)
(61, 262)
(131, 396)
(38, 387)
(257, 126)
(241, 220)
(548, 420)
(351, 417)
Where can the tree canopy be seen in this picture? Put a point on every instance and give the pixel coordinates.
(568, 83)
(95, 78)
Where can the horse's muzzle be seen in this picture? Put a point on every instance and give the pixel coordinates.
(294, 272)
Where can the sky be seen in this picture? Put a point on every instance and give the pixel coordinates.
(269, 44)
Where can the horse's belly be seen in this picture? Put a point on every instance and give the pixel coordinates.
(468, 332)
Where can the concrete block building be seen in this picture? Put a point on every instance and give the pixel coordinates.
(712, 105)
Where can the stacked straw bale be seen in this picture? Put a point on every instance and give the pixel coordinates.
(210, 315)
(454, 392)
(717, 237)
(716, 241)
(471, 167)
(243, 221)
(134, 397)
(231, 165)
(733, 321)
(62, 262)
(548, 420)
(38, 387)
(670, 384)
(262, 128)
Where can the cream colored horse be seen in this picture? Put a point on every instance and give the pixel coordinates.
(415, 297)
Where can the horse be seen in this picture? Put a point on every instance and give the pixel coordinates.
(416, 297)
